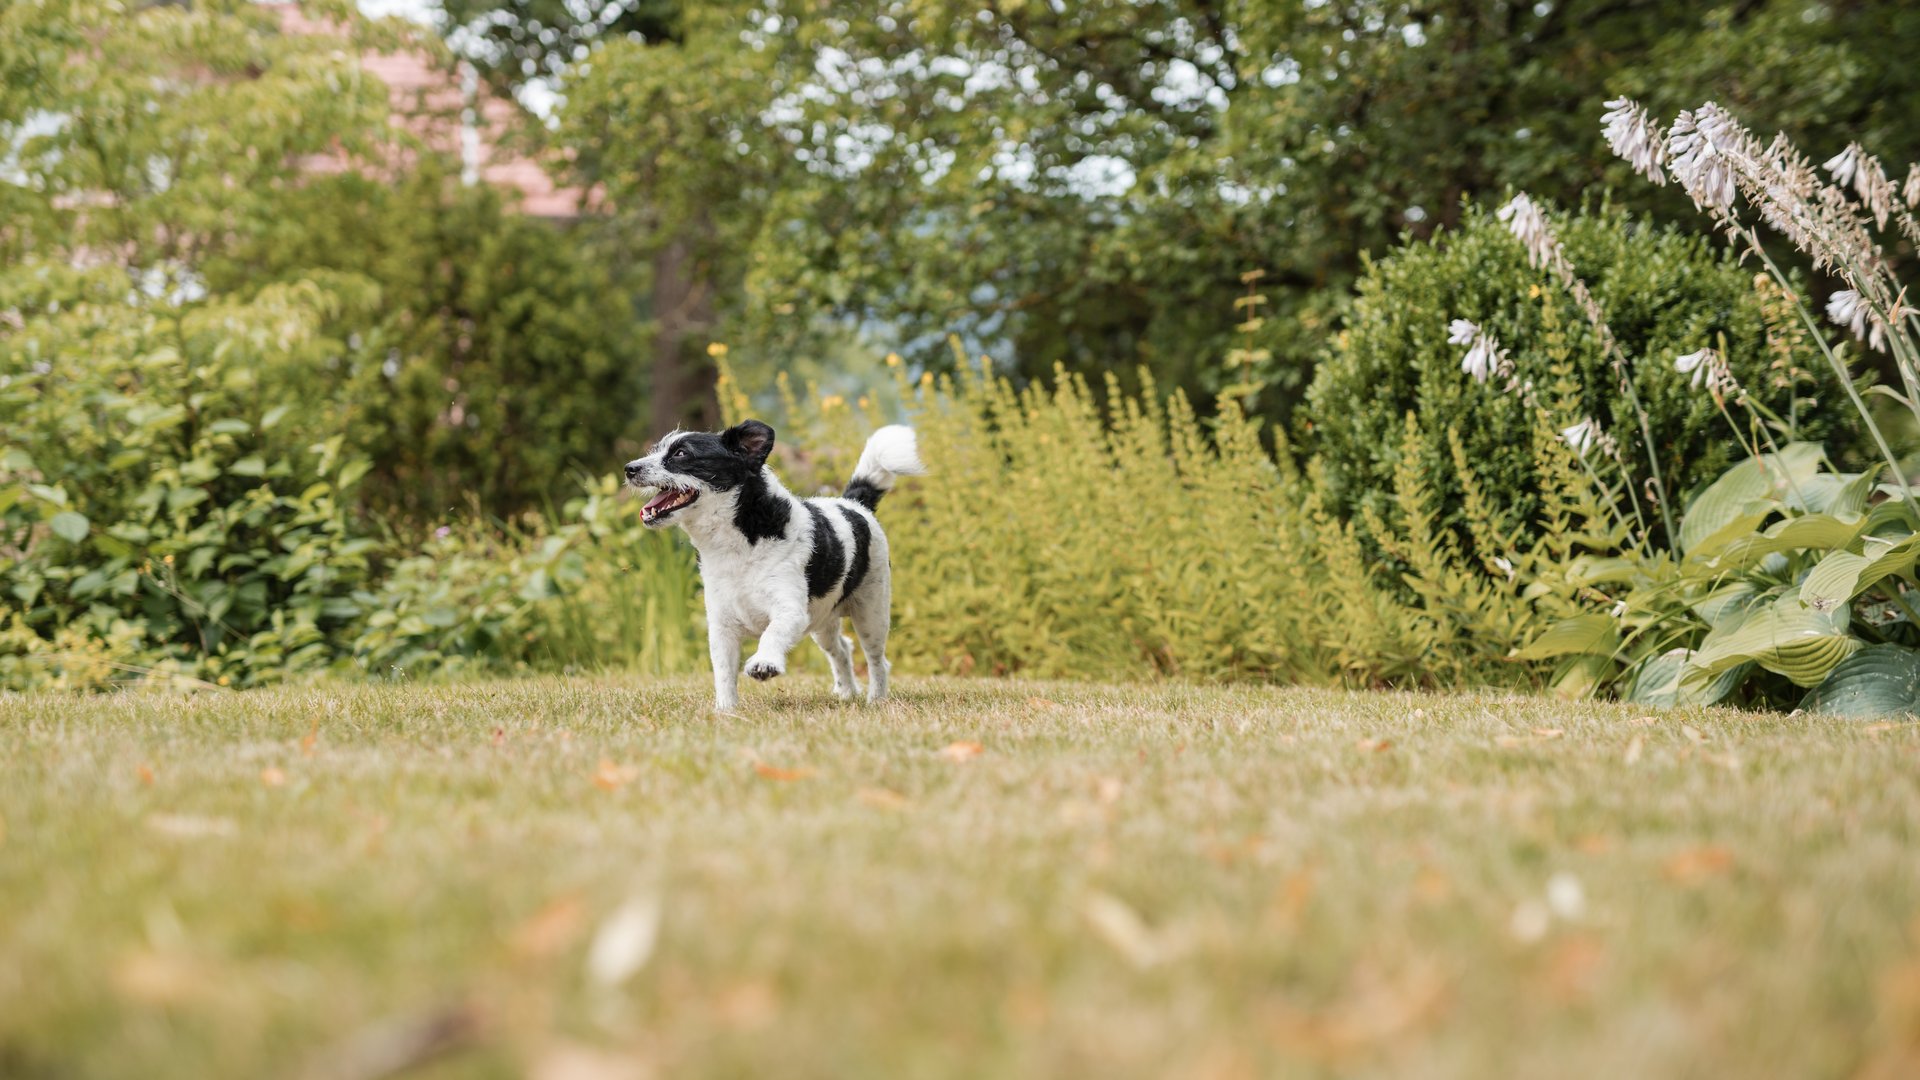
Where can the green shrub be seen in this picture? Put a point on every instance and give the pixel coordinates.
(1056, 537)
(596, 591)
(502, 357)
(1664, 293)
(164, 491)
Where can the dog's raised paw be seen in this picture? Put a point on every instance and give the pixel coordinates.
(762, 669)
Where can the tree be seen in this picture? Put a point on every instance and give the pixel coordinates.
(1085, 183)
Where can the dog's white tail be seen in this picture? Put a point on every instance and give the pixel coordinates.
(891, 453)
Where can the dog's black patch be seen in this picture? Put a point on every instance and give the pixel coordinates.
(865, 493)
(760, 514)
(828, 560)
(735, 459)
(862, 539)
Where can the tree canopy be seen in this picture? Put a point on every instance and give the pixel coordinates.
(1086, 183)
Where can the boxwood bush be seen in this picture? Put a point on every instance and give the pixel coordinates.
(1664, 293)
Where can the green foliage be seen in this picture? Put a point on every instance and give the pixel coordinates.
(593, 592)
(503, 355)
(161, 496)
(1084, 183)
(1057, 536)
(1665, 295)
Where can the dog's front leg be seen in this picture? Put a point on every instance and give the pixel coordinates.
(786, 625)
(723, 647)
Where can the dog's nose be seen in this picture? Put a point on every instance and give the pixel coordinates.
(633, 473)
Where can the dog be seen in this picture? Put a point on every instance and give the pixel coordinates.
(776, 566)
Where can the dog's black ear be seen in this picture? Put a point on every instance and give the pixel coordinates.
(750, 439)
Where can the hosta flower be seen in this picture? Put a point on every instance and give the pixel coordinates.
(1506, 566)
(1632, 135)
(1582, 436)
(1485, 358)
(1620, 609)
(1697, 162)
(1845, 165)
(1529, 225)
(1707, 367)
(1847, 308)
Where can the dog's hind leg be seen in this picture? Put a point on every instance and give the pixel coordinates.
(840, 654)
(723, 648)
(872, 615)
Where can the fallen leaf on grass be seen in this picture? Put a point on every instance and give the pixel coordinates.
(1374, 746)
(1548, 732)
(775, 772)
(610, 777)
(882, 799)
(400, 1044)
(1123, 928)
(191, 825)
(273, 776)
(145, 773)
(1373, 1011)
(962, 751)
(160, 978)
(625, 941)
(747, 1006)
(550, 930)
(1041, 703)
(1692, 733)
(1692, 866)
(572, 1061)
(1572, 966)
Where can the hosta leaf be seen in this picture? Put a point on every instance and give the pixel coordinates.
(1833, 493)
(1657, 681)
(1820, 532)
(1582, 634)
(1755, 486)
(1844, 575)
(1729, 602)
(1880, 680)
(1788, 638)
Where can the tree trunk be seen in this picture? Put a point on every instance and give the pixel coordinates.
(682, 394)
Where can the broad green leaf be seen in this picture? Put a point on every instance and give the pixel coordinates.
(1844, 575)
(252, 465)
(1879, 680)
(1788, 638)
(1820, 532)
(1755, 486)
(70, 526)
(1657, 681)
(1581, 634)
(1834, 493)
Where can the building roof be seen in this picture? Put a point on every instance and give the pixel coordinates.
(455, 113)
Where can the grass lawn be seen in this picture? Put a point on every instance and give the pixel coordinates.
(591, 878)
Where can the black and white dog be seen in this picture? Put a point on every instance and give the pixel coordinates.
(775, 566)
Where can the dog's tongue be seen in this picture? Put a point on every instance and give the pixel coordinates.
(666, 496)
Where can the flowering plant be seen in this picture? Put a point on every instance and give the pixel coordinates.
(1784, 573)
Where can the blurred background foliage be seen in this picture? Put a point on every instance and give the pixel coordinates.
(265, 417)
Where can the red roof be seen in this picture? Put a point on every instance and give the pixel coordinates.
(431, 103)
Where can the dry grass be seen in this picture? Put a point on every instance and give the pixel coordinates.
(1148, 881)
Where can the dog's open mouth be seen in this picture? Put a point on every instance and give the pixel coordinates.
(664, 504)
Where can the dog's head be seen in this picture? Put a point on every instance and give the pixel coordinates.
(695, 470)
